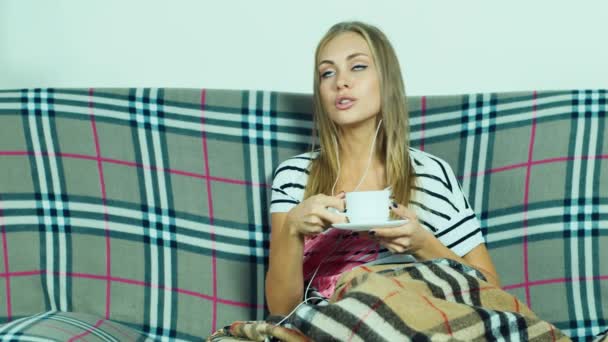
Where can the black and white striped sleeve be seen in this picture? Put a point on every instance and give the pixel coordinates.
(288, 184)
(462, 232)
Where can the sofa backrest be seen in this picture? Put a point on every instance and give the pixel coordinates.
(149, 206)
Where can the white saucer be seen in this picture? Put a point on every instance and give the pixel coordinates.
(364, 226)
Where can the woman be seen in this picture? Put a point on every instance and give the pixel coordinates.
(359, 101)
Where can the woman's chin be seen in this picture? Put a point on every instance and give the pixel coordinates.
(349, 121)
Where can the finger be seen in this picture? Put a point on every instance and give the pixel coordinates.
(391, 233)
(316, 230)
(330, 217)
(403, 241)
(312, 231)
(332, 201)
(403, 211)
(395, 248)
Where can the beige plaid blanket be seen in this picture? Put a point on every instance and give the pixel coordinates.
(439, 300)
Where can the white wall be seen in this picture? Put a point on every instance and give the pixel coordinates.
(445, 47)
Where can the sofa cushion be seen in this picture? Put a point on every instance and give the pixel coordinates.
(68, 326)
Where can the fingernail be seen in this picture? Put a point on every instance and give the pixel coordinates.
(395, 204)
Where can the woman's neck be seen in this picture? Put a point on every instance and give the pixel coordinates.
(355, 149)
(356, 143)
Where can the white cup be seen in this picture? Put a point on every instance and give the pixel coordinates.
(368, 206)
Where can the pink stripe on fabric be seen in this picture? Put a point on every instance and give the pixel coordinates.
(526, 200)
(554, 281)
(104, 203)
(164, 288)
(90, 330)
(52, 326)
(264, 185)
(534, 163)
(22, 273)
(248, 305)
(118, 329)
(210, 203)
(219, 300)
(6, 266)
(126, 163)
(15, 153)
(423, 121)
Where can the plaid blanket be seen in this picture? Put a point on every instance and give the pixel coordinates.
(434, 300)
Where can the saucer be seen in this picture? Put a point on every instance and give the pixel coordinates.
(364, 226)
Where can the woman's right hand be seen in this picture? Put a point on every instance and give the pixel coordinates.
(311, 216)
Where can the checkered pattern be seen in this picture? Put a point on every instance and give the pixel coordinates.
(435, 300)
(148, 207)
(68, 326)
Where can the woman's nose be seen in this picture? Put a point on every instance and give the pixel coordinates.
(343, 82)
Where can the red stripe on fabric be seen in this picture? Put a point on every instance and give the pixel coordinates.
(90, 330)
(423, 121)
(22, 273)
(242, 182)
(446, 322)
(6, 266)
(496, 170)
(553, 338)
(132, 164)
(365, 268)
(526, 200)
(119, 330)
(164, 288)
(52, 326)
(555, 281)
(220, 300)
(533, 163)
(397, 282)
(369, 312)
(15, 153)
(228, 302)
(106, 218)
(343, 291)
(210, 204)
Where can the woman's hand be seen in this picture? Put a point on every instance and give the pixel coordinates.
(410, 238)
(311, 216)
(413, 239)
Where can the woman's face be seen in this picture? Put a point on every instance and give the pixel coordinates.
(349, 85)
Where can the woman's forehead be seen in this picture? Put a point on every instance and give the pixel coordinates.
(342, 46)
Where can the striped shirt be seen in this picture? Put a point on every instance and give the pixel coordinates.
(437, 200)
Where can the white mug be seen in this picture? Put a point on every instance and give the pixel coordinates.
(367, 206)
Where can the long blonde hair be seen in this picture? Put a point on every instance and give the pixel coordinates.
(393, 137)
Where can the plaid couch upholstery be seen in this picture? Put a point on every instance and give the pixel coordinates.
(142, 212)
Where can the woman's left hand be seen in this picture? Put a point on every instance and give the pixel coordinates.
(409, 238)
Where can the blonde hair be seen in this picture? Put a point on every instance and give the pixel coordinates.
(393, 137)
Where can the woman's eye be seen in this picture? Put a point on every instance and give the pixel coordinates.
(327, 74)
(360, 67)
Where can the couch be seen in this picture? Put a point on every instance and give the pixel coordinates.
(134, 214)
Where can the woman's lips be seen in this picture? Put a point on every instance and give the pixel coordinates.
(344, 103)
